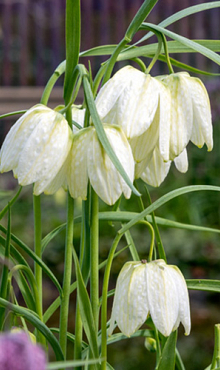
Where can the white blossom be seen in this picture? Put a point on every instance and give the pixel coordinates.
(154, 289)
(88, 160)
(189, 118)
(36, 147)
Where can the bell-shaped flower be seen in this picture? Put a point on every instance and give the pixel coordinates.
(155, 170)
(138, 103)
(88, 160)
(36, 147)
(190, 115)
(154, 289)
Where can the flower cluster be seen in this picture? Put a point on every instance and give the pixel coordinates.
(148, 122)
(154, 289)
(17, 352)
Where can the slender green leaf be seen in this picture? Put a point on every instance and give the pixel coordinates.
(12, 201)
(70, 337)
(164, 199)
(86, 309)
(22, 283)
(12, 113)
(34, 320)
(140, 16)
(72, 44)
(167, 360)
(102, 135)
(139, 333)
(46, 240)
(182, 14)
(204, 284)
(68, 364)
(44, 267)
(179, 362)
(128, 216)
(183, 40)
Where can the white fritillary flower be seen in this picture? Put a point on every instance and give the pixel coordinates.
(88, 160)
(139, 104)
(154, 289)
(190, 115)
(36, 147)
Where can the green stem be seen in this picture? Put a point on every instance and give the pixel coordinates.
(67, 275)
(38, 252)
(94, 257)
(4, 282)
(104, 301)
(167, 54)
(84, 260)
(50, 84)
(151, 229)
(216, 355)
(156, 56)
(160, 247)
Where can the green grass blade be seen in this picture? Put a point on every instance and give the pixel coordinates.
(183, 40)
(86, 309)
(164, 199)
(46, 240)
(10, 203)
(37, 323)
(68, 364)
(204, 285)
(182, 14)
(167, 360)
(44, 267)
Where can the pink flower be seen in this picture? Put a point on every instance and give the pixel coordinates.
(17, 352)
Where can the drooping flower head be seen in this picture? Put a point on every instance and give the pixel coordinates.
(17, 352)
(88, 160)
(137, 103)
(36, 147)
(190, 115)
(154, 289)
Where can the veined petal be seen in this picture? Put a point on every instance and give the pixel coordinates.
(181, 113)
(183, 296)
(77, 175)
(49, 186)
(142, 146)
(104, 177)
(162, 296)
(202, 120)
(19, 134)
(45, 150)
(130, 307)
(129, 102)
(113, 88)
(181, 162)
(78, 115)
(156, 170)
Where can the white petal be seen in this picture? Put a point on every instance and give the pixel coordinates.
(142, 146)
(156, 170)
(49, 186)
(77, 175)
(18, 135)
(181, 162)
(181, 113)
(183, 296)
(202, 120)
(162, 296)
(105, 179)
(130, 100)
(78, 115)
(130, 307)
(110, 92)
(45, 150)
